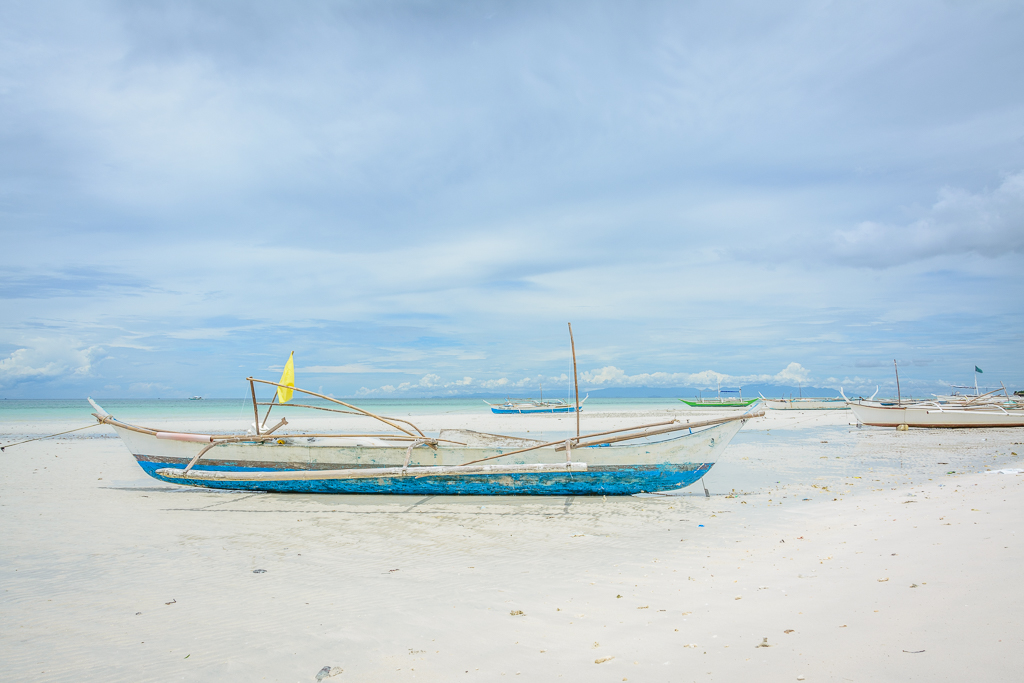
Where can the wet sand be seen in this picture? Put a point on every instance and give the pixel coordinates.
(860, 554)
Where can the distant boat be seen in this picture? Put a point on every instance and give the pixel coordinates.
(720, 401)
(809, 403)
(802, 402)
(195, 398)
(529, 406)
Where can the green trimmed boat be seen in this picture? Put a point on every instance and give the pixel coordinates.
(721, 401)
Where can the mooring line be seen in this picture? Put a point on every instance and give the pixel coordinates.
(2, 448)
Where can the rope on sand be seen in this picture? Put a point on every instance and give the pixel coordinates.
(3, 448)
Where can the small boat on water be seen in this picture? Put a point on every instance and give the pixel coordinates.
(660, 456)
(532, 406)
(720, 401)
(808, 403)
(529, 406)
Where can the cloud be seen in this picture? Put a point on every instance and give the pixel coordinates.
(989, 223)
(75, 281)
(433, 384)
(611, 376)
(148, 388)
(608, 376)
(47, 358)
(436, 188)
(349, 369)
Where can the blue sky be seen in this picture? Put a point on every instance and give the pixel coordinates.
(416, 196)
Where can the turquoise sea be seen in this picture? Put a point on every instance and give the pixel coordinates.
(241, 408)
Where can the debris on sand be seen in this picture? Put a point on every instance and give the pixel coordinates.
(601, 660)
(763, 643)
(327, 672)
(517, 613)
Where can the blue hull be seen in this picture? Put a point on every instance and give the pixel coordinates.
(608, 480)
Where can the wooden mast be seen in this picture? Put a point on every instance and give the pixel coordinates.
(255, 408)
(576, 380)
(899, 397)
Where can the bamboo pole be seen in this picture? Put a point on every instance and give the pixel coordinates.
(975, 398)
(334, 400)
(255, 408)
(271, 407)
(229, 438)
(666, 430)
(629, 429)
(560, 444)
(343, 412)
(899, 396)
(576, 381)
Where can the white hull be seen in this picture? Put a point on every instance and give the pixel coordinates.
(806, 404)
(700, 446)
(936, 416)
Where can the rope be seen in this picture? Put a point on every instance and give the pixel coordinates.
(2, 448)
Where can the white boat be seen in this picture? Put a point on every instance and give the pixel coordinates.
(531, 406)
(809, 403)
(660, 456)
(935, 414)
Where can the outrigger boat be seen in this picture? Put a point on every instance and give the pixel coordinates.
(719, 401)
(935, 414)
(808, 403)
(659, 456)
(976, 411)
(805, 403)
(531, 406)
(980, 410)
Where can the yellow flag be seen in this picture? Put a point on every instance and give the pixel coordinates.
(288, 379)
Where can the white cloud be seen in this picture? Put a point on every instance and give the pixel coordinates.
(611, 376)
(608, 376)
(989, 223)
(349, 369)
(46, 358)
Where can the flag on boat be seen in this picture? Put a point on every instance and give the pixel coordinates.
(287, 379)
(977, 369)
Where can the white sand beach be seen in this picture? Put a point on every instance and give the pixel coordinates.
(854, 554)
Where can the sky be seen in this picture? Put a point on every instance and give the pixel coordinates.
(416, 197)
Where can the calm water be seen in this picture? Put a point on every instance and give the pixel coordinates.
(237, 408)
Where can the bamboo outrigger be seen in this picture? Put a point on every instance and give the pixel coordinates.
(406, 460)
(453, 462)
